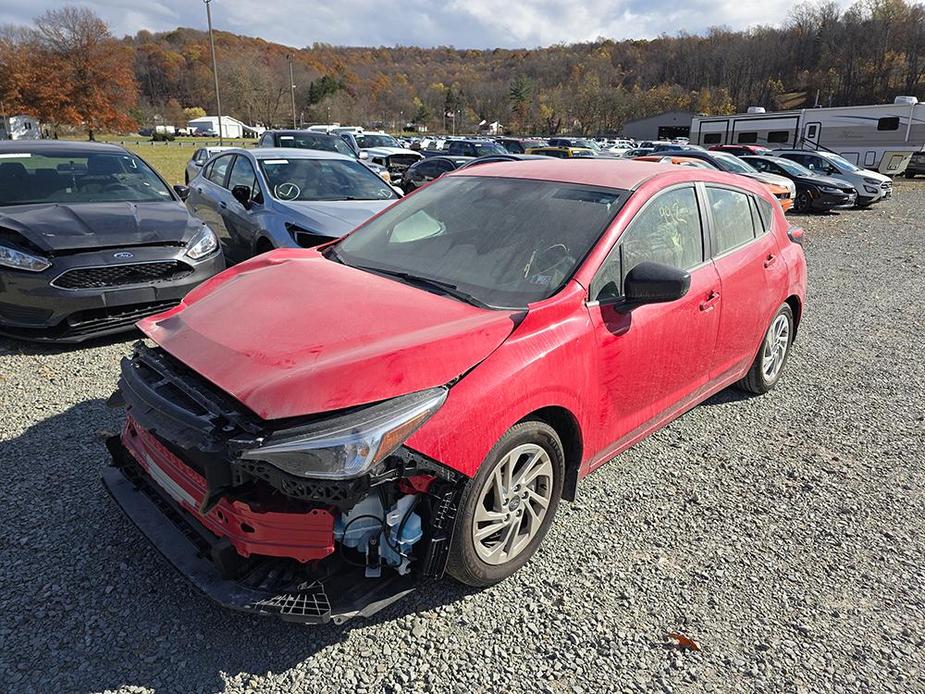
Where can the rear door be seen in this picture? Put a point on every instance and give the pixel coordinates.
(209, 197)
(751, 271)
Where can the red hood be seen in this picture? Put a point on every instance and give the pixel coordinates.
(292, 333)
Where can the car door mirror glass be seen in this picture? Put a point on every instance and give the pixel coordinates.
(654, 283)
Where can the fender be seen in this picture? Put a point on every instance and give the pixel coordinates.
(548, 347)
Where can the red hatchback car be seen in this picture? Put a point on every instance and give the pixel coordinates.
(318, 431)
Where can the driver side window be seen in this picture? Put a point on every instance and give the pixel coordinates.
(219, 168)
(668, 230)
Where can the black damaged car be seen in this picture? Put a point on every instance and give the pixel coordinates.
(815, 193)
(92, 240)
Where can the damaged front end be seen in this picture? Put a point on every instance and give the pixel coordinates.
(324, 518)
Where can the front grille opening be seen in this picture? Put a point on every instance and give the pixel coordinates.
(122, 275)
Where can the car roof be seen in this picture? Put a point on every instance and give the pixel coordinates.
(292, 153)
(609, 173)
(39, 145)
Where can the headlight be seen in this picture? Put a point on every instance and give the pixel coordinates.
(349, 445)
(10, 257)
(830, 190)
(202, 244)
(872, 182)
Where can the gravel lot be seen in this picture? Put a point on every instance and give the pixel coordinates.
(783, 533)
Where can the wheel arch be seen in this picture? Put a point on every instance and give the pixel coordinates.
(796, 305)
(566, 426)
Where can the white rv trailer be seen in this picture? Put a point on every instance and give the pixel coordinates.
(19, 128)
(881, 136)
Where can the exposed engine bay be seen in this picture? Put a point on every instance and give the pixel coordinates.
(249, 532)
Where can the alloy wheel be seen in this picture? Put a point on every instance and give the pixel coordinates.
(776, 343)
(512, 504)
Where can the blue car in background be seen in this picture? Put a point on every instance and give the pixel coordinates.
(260, 199)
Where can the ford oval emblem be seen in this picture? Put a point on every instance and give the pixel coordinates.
(123, 255)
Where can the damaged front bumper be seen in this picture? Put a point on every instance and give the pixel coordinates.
(258, 541)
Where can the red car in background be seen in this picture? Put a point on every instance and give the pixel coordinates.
(318, 431)
(741, 150)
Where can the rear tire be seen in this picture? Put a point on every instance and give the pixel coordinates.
(263, 246)
(507, 508)
(769, 363)
(802, 202)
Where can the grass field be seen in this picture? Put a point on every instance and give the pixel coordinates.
(168, 158)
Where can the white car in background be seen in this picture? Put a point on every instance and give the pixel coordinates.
(383, 149)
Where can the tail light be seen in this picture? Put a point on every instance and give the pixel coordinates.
(796, 234)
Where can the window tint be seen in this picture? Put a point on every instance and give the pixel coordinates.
(891, 123)
(442, 166)
(779, 136)
(712, 138)
(732, 219)
(667, 231)
(242, 174)
(219, 167)
(747, 138)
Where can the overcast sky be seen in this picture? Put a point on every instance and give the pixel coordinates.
(459, 23)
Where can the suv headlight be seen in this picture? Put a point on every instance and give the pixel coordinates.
(202, 244)
(349, 445)
(831, 190)
(18, 260)
(872, 182)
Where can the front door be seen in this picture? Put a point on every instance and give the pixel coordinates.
(656, 359)
(240, 220)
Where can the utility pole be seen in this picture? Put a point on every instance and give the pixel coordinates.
(218, 99)
(291, 89)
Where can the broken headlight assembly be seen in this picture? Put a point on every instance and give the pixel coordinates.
(348, 445)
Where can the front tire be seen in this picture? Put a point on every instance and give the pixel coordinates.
(769, 363)
(507, 508)
(802, 203)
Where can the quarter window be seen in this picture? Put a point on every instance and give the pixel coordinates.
(733, 223)
(667, 231)
(765, 212)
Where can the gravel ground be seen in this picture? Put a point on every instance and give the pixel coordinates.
(783, 533)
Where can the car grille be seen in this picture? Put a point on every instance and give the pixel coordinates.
(99, 319)
(122, 275)
(886, 185)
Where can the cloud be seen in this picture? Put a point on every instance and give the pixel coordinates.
(460, 23)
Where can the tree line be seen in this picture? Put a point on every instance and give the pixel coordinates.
(68, 69)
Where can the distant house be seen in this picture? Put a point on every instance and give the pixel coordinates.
(20, 128)
(664, 126)
(231, 127)
(493, 128)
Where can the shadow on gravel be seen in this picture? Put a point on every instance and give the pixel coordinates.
(727, 395)
(87, 604)
(10, 345)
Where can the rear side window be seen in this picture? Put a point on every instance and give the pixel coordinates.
(765, 212)
(747, 138)
(733, 223)
(712, 138)
(667, 230)
(890, 123)
(779, 136)
(218, 170)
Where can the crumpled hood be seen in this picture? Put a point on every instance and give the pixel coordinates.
(336, 218)
(291, 333)
(85, 226)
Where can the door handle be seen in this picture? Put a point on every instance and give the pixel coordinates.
(224, 206)
(199, 190)
(770, 260)
(710, 301)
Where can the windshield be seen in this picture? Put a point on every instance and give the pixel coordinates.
(323, 179)
(792, 167)
(483, 149)
(62, 176)
(843, 163)
(503, 242)
(366, 141)
(325, 143)
(730, 162)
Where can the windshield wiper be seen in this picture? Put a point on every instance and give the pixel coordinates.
(447, 288)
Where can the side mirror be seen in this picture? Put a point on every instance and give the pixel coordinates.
(243, 195)
(182, 191)
(398, 191)
(654, 283)
(363, 154)
(197, 163)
